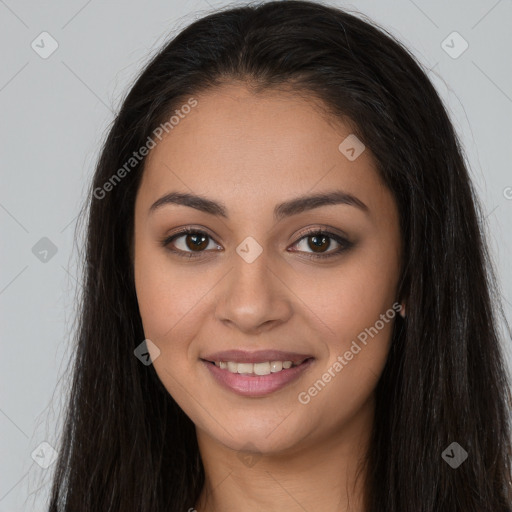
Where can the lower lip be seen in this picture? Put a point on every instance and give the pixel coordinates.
(257, 385)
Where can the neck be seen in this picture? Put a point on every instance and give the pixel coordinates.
(324, 472)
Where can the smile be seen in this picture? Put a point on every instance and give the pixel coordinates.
(264, 368)
(256, 379)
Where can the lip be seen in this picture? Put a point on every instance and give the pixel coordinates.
(256, 385)
(259, 356)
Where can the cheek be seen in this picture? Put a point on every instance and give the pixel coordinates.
(168, 302)
(173, 301)
(356, 358)
(349, 298)
(166, 294)
(353, 309)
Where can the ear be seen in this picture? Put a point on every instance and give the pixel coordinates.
(402, 310)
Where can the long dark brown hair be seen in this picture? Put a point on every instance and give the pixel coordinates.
(128, 447)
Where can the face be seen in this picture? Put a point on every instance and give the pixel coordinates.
(265, 270)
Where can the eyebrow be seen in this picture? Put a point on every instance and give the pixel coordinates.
(286, 209)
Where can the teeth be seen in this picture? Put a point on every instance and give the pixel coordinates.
(264, 368)
(276, 366)
(244, 367)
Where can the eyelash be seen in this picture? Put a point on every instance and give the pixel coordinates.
(345, 244)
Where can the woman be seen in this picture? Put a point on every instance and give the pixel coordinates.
(288, 301)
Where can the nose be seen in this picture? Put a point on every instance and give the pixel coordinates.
(254, 297)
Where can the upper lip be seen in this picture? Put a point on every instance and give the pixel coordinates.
(259, 356)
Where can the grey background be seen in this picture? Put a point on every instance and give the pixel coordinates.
(56, 111)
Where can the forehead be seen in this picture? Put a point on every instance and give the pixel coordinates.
(274, 144)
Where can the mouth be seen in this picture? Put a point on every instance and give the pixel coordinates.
(256, 374)
(257, 368)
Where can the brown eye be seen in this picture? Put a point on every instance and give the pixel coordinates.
(196, 241)
(318, 242)
(192, 243)
(187, 242)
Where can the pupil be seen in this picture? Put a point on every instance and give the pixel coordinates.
(198, 241)
(318, 241)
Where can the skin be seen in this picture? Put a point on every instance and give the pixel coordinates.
(252, 152)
